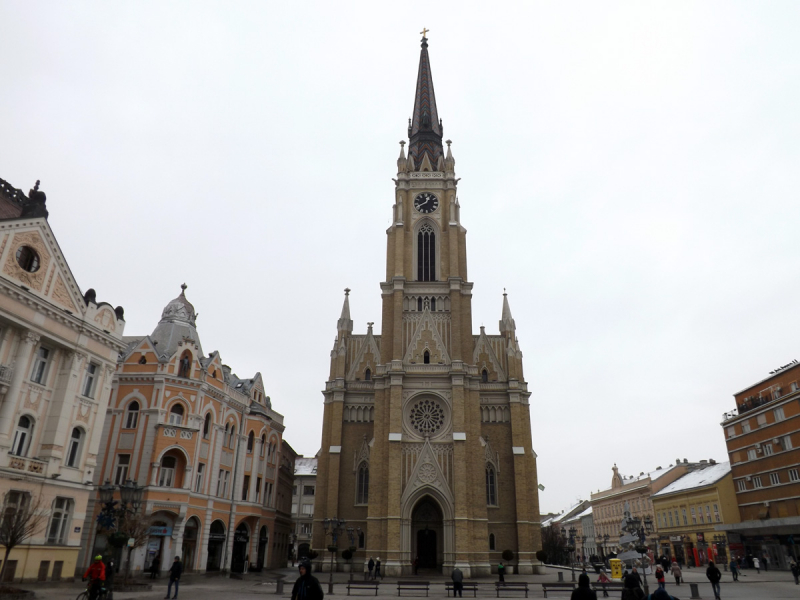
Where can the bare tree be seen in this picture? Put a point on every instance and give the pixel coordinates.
(22, 517)
(124, 526)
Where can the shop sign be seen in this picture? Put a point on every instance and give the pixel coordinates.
(241, 537)
(216, 537)
(701, 537)
(674, 538)
(158, 530)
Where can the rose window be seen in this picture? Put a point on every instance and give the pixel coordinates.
(427, 417)
(427, 473)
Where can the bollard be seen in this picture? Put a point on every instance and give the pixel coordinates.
(695, 591)
(560, 576)
(279, 587)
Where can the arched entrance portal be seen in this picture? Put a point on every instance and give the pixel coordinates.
(216, 544)
(427, 534)
(263, 544)
(241, 541)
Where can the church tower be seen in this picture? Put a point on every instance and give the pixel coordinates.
(426, 444)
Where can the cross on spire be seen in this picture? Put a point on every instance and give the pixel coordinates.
(424, 31)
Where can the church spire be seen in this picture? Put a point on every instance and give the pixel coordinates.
(345, 323)
(507, 324)
(425, 127)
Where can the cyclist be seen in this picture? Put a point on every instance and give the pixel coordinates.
(96, 573)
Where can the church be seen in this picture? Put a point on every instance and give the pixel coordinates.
(426, 449)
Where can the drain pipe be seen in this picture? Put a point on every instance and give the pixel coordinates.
(226, 556)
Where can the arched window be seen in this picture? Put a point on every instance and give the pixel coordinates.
(132, 416)
(362, 493)
(251, 439)
(22, 436)
(60, 519)
(491, 486)
(263, 444)
(433, 304)
(231, 436)
(361, 539)
(176, 415)
(484, 376)
(143, 360)
(207, 426)
(185, 364)
(491, 541)
(74, 449)
(367, 375)
(426, 253)
(167, 474)
(426, 358)
(419, 304)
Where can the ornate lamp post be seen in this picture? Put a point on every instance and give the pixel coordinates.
(643, 528)
(114, 517)
(583, 549)
(570, 543)
(334, 527)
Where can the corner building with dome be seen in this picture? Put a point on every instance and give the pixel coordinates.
(426, 443)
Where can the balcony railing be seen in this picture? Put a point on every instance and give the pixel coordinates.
(5, 374)
(753, 402)
(29, 465)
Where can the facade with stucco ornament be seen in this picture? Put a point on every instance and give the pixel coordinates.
(426, 442)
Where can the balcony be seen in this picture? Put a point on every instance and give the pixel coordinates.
(27, 465)
(5, 375)
(753, 402)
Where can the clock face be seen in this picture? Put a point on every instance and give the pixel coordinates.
(426, 203)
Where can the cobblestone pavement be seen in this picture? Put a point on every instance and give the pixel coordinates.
(777, 585)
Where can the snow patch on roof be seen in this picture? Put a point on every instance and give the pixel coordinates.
(697, 479)
(305, 466)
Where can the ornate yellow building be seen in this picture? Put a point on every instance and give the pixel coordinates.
(426, 441)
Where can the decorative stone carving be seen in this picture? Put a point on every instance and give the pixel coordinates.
(106, 319)
(33, 280)
(427, 416)
(62, 296)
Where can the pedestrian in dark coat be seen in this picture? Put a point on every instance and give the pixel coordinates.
(765, 560)
(714, 577)
(584, 590)
(175, 572)
(155, 566)
(676, 573)
(458, 582)
(501, 571)
(307, 586)
(371, 566)
(795, 571)
(734, 569)
(378, 568)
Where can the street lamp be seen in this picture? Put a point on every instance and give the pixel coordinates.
(114, 519)
(643, 529)
(570, 543)
(334, 526)
(583, 549)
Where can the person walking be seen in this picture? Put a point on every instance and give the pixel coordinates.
(370, 567)
(155, 566)
(378, 568)
(756, 565)
(501, 572)
(765, 560)
(795, 571)
(632, 586)
(660, 577)
(584, 590)
(676, 572)
(603, 578)
(458, 582)
(307, 586)
(734, 569)
(174, 576)
(714, 576)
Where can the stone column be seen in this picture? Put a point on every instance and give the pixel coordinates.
(59, 414)
(11, 401)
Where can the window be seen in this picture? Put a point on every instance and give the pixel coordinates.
(731, 431)
(74, 449)
(132, 416)
(761, 420)
(143, 360)
(484, 376)
(685, 520)
(245, 487)
(60, 519)
(39, 372)
(294, 509)
(708, 513)
(426, 253)
(745, 426)
(362, 482)
(294, 490)
(491, 486)
(757, 482)
(15, 501)
(694, 516)
(28, 259)
(794, 475)
(222, 483)
(419, 304)
(367, 375)
(89, 379)
(251, 440)
(231, 435)
(778, 412)
(258, 490)
(176, 415)
(426, 358)
(268, 494)
(751, 454)
(207, 426)
(768, 449)
(308, 490)
(774, 479)
(22, 436)
(786, 443)
(167, 474)
(741, 484)
(121, 472)
(198, 482)
(361, 536)
(491, 541)
(700, 514)
(716, 514)
(670, 520)
(263, 444)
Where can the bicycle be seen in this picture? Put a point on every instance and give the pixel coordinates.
(84, 595)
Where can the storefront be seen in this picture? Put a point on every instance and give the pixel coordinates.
(216, 546)
(241, 541)
(156, 544)
(189, 547)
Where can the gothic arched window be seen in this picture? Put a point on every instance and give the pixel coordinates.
(362, 491)
(484, 376)
(433, 304)
(491, 486)
(419, 304)
(251, 439)
(207, 426)
(491, 541)
(367, 375)
(426, 358)
(426, 253)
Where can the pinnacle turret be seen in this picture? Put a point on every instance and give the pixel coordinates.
(345, 323)
(507, 324)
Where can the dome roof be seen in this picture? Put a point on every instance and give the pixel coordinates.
(179, 310)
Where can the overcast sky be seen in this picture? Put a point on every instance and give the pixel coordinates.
(629, 173)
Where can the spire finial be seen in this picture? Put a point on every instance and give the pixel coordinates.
(346, 291)
(36, 187)
(183, 288)
(424, 32)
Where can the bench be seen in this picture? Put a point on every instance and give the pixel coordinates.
(363, 585)
(611, 586)
(560, 586)
(413, 585)
(470, 586)
(511, 586)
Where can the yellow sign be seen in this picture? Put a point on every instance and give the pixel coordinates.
(616, 568)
